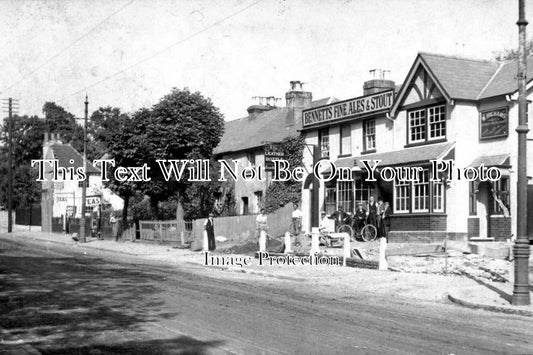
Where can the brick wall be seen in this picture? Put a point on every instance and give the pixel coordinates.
(424, 222)
(473, 227)
(500, 227)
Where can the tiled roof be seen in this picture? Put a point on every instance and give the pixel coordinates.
(504, 81)
(324, 101)
(461, 78)
(65, 152)
(492, 160)
(398, 157)
(268, 126)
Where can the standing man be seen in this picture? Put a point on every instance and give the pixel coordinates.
(359, 217)
(114, 226)
(296, 224)
(384, 226)
(260, 223)
(373, 212)
(209, 227)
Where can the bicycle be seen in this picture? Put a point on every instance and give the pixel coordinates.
(367, 233)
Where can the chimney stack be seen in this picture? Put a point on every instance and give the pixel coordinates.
(261, 104)
(379, 82)
(296, 97)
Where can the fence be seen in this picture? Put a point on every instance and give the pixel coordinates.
(163, 231)
(29, 216)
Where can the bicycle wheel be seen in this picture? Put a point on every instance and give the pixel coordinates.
(346, 228)
(369, 233)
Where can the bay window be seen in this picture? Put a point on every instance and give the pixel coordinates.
(419, 196)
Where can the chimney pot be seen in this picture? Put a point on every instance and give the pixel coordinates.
(296, 97)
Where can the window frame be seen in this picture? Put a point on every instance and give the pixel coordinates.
(347, 127)
(427, 127)
(408, 196)
(323, 142)
(366, 135)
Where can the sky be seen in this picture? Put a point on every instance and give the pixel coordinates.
(130, 53)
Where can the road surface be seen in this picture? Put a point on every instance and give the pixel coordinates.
(61, 301)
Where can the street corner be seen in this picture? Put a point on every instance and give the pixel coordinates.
(492, 300)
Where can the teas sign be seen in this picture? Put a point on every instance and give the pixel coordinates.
(91, 201)
(359, 106)
(273, 152)
(494, 123)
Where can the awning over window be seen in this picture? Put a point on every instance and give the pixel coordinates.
(406, 156)
(502, 160)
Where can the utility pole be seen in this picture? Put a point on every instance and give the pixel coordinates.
(84, 182)
(11, 105)
(521, 246)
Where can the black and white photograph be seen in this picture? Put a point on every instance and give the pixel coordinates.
(266, 177)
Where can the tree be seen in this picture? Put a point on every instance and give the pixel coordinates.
(125, 142)
(182, 125)
(27, 145)
(512, 54)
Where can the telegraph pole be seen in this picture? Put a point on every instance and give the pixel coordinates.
(521, 246)
(84, 182)
(10, 106)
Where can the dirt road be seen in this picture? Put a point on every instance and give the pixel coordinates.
(62, 301)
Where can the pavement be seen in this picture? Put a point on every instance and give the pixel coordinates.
(463, 290)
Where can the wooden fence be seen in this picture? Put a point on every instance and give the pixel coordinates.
(162, 231)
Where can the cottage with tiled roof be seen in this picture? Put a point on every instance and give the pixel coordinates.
(62, 198)
(246, 139)
(447, 108)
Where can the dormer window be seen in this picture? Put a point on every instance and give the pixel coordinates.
(427, 124)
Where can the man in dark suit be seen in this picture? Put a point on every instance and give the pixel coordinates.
(209, 226)
(359, 217)
(373, 212)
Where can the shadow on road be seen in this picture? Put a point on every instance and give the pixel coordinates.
(68, 305)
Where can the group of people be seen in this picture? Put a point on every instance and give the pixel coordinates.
(377, 214)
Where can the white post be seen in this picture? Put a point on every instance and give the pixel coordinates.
(205, 242)
(314, 241)
(262, 241)
(346, 248)
(182, 238)
(287, 243)
(383, 265)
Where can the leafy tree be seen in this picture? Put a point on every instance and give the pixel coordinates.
(27, 145)
(182, 125)
(512, 54)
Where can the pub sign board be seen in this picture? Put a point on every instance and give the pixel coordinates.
(494, 123)
(273, 152)
(352, 108)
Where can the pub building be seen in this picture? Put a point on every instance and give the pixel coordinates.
(448, 107)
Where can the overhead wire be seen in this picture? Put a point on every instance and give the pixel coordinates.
(216, 23)
(24, 77)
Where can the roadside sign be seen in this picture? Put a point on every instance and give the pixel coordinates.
(91, 201)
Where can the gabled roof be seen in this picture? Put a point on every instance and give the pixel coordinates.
(461, 78)
(464, 78)
(268, 127)
(64, 153)
(504, 80)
